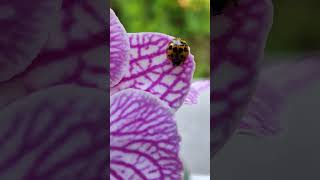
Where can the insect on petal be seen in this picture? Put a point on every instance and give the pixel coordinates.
(151, 71)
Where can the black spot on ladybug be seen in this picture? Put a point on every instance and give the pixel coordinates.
(175, 49)
(176, 62)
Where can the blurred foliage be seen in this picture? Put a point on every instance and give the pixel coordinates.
(188, 19)
(295, 27)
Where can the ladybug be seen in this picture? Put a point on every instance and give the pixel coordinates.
(220, 5)
(178, 51)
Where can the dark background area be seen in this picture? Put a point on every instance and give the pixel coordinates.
(295, 28)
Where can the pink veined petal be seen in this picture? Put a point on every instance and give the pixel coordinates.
(67, 58)
(119, 50)
(276, 84)
(151, 71)
(24, 30)
(52, 134)
(261, 115)
(195, 90)
(144, 142)
(239, 37)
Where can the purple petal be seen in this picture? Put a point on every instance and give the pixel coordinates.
(119, 50)
(51, 134)
(195, 90)
(261, 118)
(276, 84)
(67, 57)
(24, 30)
(151, 71)
(239, 37)
(144, 140)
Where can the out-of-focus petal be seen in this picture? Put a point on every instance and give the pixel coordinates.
(52, 134)
(260, 117)
(276, 84)
(195, 90)
(144, 140)
(239, 37)
(119, 50)
(72, 55)
(24, 30)
(194, 129)
(151, 71)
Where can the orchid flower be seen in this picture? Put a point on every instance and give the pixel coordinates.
(50, 79)
(242, 103)
(146, 91)
(276, 84)
(282, 118)
(239, 37)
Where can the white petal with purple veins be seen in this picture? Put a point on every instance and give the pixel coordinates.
(195, 90)
(144, 140)
(119, 49)
(151, 71)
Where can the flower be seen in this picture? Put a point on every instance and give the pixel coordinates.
(146, 91)
(50, 79)
(241, 102)
(238, 37)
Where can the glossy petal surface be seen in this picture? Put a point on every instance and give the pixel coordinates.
(119, 49)
(151, 71)
(143, 138)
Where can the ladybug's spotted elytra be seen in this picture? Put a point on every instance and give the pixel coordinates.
(178, 51)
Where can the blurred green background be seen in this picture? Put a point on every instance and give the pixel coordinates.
(296, 28)
(188, 19)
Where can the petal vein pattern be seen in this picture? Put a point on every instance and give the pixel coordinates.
(195, 90)
(50, 135)
(151, 71)
(144, 138)
(119, 49)
(67, 57)
(25, 27)
(239, 36)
